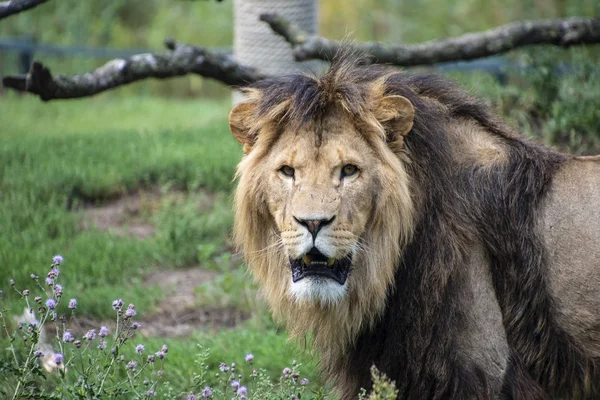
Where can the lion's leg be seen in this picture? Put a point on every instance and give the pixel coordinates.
(483, 342)
(457, 350)
(483, 339)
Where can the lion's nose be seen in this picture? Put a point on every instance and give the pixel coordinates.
(314, 225)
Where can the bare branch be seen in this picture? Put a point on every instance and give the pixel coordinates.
(11, 7)
(180, 59)
(559, 32)
(291, 32)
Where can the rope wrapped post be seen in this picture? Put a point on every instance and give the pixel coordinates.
(256, 45)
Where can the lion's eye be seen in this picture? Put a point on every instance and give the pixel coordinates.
(287, 171)
(349, 170)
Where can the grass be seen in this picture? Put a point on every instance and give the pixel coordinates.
(45, 172)
(26, 115)
(57, 158)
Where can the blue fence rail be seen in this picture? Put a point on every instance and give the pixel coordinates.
(27, 48)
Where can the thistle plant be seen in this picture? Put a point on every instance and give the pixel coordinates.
(231, 384)
(91, 365)
(49, 359)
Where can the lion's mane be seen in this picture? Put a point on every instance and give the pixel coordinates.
(406, 325)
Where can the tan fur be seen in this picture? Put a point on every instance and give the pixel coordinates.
(472, 144)
(484, 338)
(571, 223)
(262, 233)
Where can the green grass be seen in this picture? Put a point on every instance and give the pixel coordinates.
(47, 170)
(56, 158)
(27, 115)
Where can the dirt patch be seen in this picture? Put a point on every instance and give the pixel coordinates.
(122, 216)
(185, 322)
(131, 214)
(177, 314)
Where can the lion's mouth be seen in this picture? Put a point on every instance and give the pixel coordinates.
(314, 263)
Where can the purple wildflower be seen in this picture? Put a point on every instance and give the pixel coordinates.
(139, 349)
(73, 304)
(132, 365)
(26, 292)
(38, 353)
(165, 348)
(54, 272)
(130, 312)
(242, 391)
(38, 299)
(57, 259)
(58, 358)
(12, 282)
(102, 345)
(207, 392)
(49, 281)
(90, 335)
(192, 397)
(235, 384)
(136, 325)
(117, 304)
(68, 337)
(160, 354)
(51, 304)
(58, 290)
(103, 331)
(151, 358)
(250, 358)
(304, 381)
(150, 393)
(77, 343)
(224, 367)
(287, 371)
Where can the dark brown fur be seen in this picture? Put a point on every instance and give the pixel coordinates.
(415, 342)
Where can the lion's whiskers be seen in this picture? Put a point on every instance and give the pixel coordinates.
(278, 243)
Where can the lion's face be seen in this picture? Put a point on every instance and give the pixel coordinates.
(322, 209)
(320, 194)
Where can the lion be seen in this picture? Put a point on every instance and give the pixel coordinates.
(400, 224)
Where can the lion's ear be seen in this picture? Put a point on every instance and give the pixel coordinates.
(397, 113)
(240, 124)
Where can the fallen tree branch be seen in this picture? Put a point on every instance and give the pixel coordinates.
(11, 7)
(560, 32)
(180, 59)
